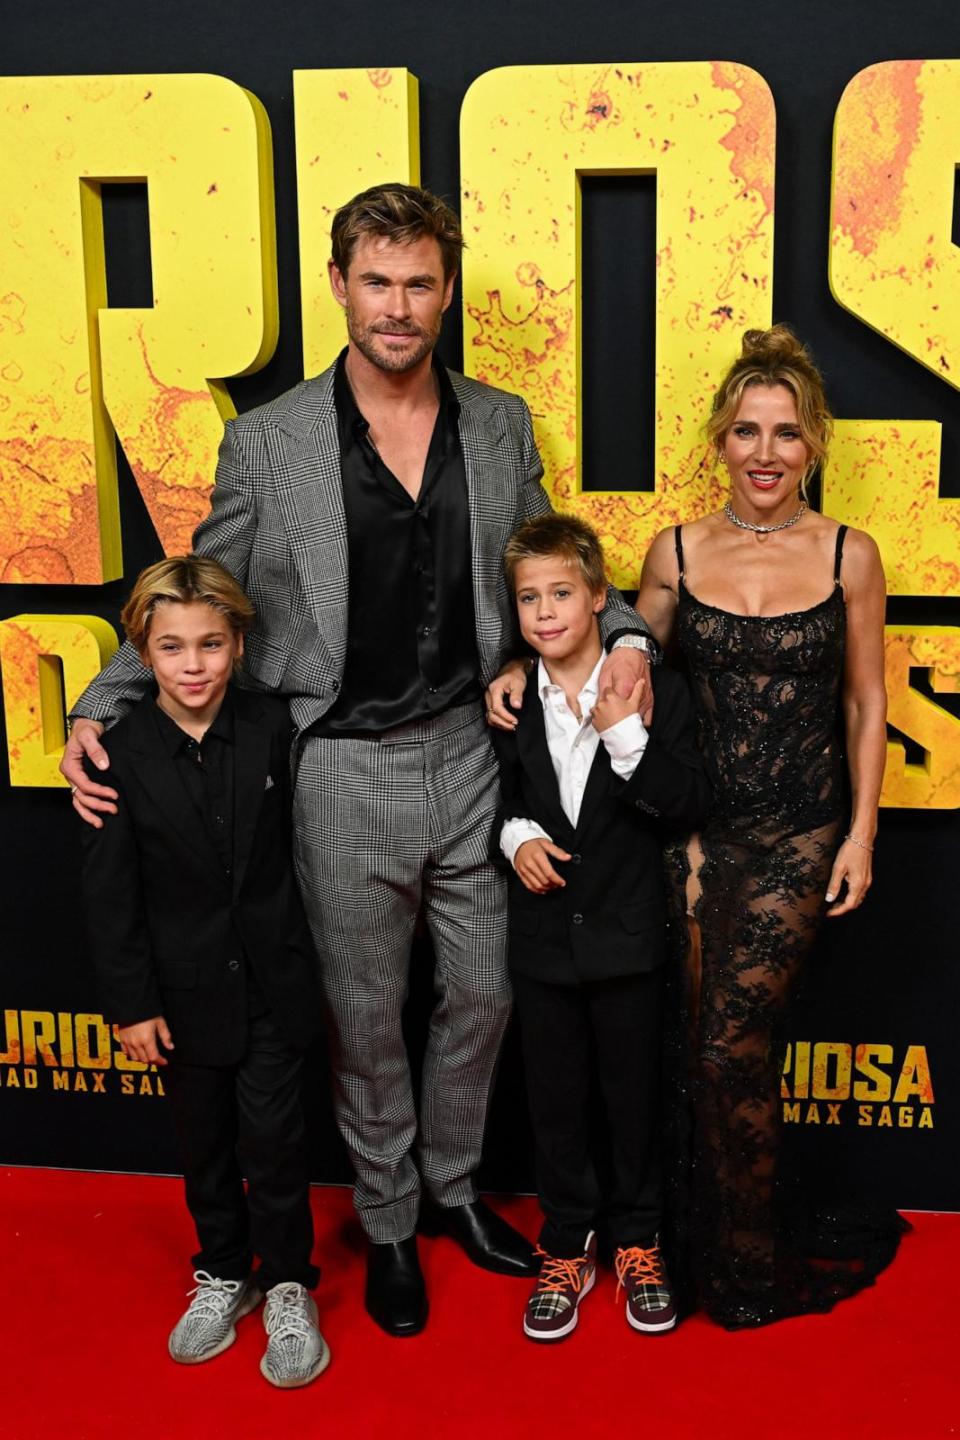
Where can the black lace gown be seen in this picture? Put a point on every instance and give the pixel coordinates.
(747, 900)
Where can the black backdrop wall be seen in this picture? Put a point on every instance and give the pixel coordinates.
(885, 977)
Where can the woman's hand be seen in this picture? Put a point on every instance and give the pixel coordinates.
(853, 864)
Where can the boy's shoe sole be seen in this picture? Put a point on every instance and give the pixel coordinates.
(647, 1328)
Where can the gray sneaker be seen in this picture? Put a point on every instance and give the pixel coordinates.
(296, 1352)
(206, 1328)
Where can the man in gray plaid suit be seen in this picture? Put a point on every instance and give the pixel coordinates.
(366, 513)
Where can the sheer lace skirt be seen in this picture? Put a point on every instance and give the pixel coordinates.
(744, 916)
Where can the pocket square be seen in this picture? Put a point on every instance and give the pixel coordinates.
(269, 784)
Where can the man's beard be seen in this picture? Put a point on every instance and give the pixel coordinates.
(365, 340)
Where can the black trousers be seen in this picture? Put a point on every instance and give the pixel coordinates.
(246, 1119)
(598, 1040)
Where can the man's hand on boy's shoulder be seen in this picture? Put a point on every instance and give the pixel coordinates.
(532, 864)
(90, 800)
(140, 1042)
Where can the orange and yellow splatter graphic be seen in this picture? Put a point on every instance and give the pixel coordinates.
(379, 111)
(707, 131)
(894, 265)
(75, 373)
(47, 662)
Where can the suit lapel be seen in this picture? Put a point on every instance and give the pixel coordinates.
(535, 757)
(159, 779)
(304, 452)
(596, 789)
(492, 498)
(251, 768)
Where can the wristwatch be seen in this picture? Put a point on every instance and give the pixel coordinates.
(634, 642)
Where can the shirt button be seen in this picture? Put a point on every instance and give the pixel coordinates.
(336, 685)
(577, 919)
(574, 859)
(233, 964)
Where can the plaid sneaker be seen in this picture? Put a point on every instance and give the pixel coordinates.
(296, 1352)
(207, 1325)
(641, 1274)
(552, 1310)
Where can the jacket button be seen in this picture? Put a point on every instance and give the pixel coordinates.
(233, 964)
(575, 859)
(577, 919)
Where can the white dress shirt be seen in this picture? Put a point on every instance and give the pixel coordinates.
(573, 744)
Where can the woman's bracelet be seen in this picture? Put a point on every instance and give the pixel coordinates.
(862, 843)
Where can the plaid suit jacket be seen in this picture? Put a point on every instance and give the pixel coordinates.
(277, 523)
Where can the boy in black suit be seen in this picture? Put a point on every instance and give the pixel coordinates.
(204, 957)
(586, 786)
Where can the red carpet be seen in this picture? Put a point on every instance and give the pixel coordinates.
(94, 1277)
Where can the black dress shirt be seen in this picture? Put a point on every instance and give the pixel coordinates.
(411, 633)
(206, 770)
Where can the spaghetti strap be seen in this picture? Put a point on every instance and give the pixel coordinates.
(839, 554)
(679, 544)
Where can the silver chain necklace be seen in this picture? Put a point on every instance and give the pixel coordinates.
(735, 519)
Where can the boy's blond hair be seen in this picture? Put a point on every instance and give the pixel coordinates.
(573, 541)
(184, 579)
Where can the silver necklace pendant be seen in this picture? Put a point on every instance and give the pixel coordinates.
(735, 519)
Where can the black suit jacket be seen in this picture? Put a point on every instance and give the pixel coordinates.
(610, 918)
(169, 931)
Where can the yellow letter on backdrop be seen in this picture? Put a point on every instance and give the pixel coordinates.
(894, 265)
(355, 128)
(528, 135)
(202, 145)
(934, 784)
(34, 651)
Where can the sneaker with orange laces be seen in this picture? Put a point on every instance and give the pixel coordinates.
(643, 1278)
(552, 1310)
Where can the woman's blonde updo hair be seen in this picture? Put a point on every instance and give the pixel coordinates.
(776, 357)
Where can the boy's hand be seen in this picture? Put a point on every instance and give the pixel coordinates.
(534, 868)
(611, 708)
(622, 670)
(139, 1042)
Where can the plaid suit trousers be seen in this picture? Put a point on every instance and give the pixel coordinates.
(384, 826)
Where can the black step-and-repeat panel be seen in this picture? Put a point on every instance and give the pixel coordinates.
(638, 185)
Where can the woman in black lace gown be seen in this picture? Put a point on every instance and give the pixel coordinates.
(779, 613)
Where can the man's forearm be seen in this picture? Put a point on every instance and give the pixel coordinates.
(619, 618)
(115, 690)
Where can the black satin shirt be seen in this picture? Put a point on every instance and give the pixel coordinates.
(411, 634)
